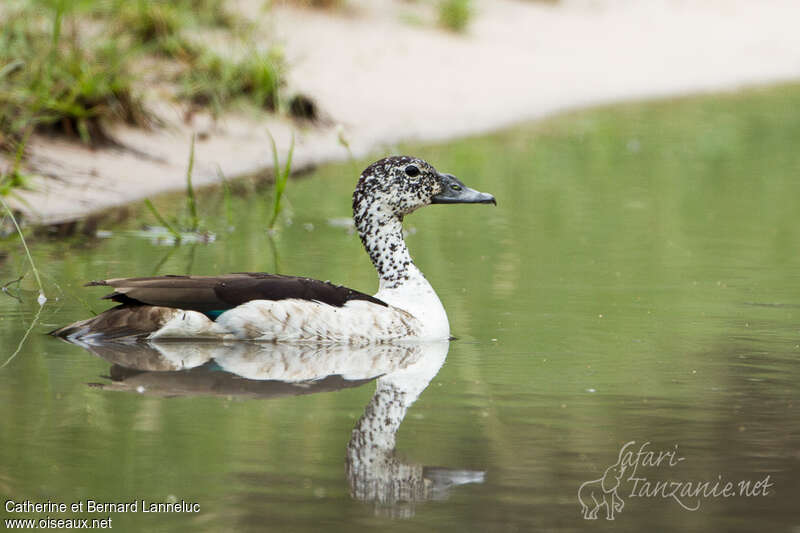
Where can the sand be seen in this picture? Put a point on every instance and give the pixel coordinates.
(383, 73)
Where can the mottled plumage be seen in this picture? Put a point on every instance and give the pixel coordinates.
(271, 307)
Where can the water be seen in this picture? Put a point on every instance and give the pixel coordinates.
(638, 281)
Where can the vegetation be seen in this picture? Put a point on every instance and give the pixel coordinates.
(13, 178)
(69, 67)
(191, 222)
(217, 81)
(322, 4)
(54, 82)
(191, 200)
(42, 298)
(281, 179)
(160, 24)
(455, 14)
(10, 180)
(189, 227)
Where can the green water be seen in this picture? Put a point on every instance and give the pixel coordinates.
(638, 281)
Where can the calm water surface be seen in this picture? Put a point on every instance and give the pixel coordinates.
(638, 281)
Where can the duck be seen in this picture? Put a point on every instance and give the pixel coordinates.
(258, 306)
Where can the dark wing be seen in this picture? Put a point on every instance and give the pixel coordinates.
(217, 293)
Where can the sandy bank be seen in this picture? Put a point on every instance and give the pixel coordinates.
(382, 79)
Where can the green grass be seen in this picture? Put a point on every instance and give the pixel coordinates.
(72, 67)
(160, 26)
(281, 179)
(322, 4)
(14, 179)
(217, 81)
(191, 224)
(150, 23)
(191, 199)
(53, 81)
(11, 180)
(42, 297)
(163, 221)
(455, 14)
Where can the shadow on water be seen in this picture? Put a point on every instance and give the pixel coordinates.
(264, 370)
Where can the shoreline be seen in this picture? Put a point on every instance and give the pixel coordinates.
(518, 62)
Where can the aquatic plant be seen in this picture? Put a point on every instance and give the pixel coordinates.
(192, 230)
(42, 298)
(281, 178)
(191, 201)
(227, 197)
(163, 221)
(10, 181)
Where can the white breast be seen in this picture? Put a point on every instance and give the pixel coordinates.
(417, 297)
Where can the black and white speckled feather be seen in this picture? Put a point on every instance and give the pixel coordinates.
(384, 195)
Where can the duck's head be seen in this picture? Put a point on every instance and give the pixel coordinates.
(401, 184)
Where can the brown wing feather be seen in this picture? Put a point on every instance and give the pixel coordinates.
(214, 293)
(120, 322)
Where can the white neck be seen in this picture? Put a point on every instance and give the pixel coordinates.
(402, 284)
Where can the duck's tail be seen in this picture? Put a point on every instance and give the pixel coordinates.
(121, 323)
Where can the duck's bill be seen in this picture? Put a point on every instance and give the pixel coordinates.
(455, 192)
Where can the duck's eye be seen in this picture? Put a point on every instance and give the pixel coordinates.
(412, 171)
(455, 187)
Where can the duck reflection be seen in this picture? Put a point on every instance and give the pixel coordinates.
(374, 471)
(245, 369)
(260, 370)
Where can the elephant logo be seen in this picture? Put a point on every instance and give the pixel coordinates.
(598, 493)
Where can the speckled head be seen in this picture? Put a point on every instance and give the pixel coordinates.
(402, 184)
(388, 190)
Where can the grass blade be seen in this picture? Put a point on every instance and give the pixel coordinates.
(227, 198)
(281, 178)
(191, 201)
(21, 151)
(11, 67)
(288, 168)
(161, 220)
(42, 297)
(24, 337)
